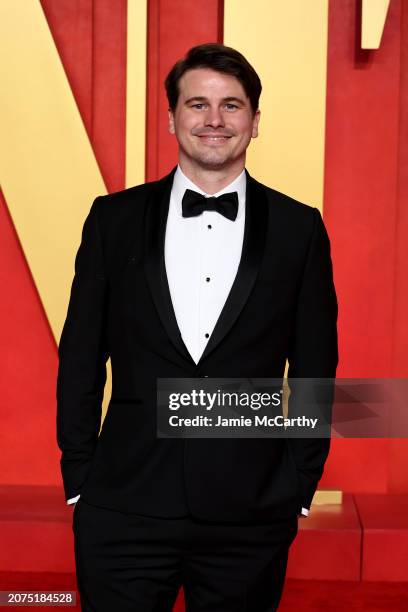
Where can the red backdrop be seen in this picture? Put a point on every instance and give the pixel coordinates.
(366, 186)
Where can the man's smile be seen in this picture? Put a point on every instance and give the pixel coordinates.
(213, 139)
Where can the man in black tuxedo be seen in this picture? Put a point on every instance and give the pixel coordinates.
(204, 273)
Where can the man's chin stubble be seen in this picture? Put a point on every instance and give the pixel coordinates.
(209, 162)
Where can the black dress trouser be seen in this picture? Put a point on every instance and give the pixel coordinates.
(134, 563)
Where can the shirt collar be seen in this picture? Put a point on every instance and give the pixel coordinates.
(181, 182)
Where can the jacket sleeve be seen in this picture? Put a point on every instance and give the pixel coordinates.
(83, 353)
(313, 355)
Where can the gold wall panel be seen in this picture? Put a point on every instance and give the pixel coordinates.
(374, 14)
(49, 174)
(136, 91)
(286, 42)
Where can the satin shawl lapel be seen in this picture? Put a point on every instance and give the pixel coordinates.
(256, 213)
(154, 262)
(256, 222)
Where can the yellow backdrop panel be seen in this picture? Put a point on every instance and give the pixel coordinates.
(48, 170)
(136, 91)
(286, 42)
(374, 14)
(49, 174)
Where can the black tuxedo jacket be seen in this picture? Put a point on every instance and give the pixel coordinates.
(282, 305)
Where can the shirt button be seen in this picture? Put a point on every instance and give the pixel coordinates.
(207, 335)
(209, 226)
(208, 279)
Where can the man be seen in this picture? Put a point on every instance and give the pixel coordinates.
(173, 283)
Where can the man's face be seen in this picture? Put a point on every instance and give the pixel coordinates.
(213, 121)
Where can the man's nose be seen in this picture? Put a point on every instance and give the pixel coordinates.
(214, 117)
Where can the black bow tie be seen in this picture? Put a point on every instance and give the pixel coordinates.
(194, 204)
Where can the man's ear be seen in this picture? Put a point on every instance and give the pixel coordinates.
(171, 122)
(255, 123)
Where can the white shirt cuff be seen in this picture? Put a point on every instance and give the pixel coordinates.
(72, 500)
(305, 512)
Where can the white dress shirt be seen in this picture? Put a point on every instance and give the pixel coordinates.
(202, 255)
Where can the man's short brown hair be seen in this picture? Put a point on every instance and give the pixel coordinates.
(220, 58)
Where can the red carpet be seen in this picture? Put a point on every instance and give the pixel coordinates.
(299, 595)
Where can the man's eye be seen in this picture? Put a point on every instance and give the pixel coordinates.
(231, 106)
(199, 105)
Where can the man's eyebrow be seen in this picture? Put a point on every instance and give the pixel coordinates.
(234, 99)
(197, 98)
(204, 99)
